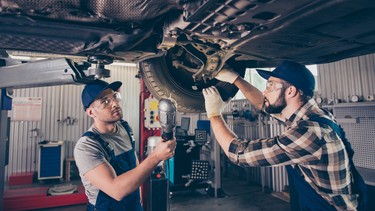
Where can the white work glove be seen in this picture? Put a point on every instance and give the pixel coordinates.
(227, 74)
(213, 102)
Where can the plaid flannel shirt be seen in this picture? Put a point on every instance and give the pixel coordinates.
(317, 151)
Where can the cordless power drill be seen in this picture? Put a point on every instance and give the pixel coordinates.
(167, 118)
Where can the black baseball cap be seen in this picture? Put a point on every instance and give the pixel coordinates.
(294, 73)
(94, 89)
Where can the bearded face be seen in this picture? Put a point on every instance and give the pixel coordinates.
(278, 105)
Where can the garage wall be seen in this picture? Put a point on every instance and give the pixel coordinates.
(347, 77)
(59, 103)
(340, 80)
(130, 90)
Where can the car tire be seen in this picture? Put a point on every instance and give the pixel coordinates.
(164, 81)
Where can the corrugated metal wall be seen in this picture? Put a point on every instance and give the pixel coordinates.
(355, 76)
(59, 103)
(130, 90)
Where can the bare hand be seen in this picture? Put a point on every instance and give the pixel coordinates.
(165, 149)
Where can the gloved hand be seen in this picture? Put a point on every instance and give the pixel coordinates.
(213, 102)
(227, 74)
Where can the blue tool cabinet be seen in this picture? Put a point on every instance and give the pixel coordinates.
(50, 160)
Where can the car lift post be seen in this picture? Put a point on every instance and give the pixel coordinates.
(5, 106)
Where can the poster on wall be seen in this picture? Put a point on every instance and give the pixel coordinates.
(26, 109)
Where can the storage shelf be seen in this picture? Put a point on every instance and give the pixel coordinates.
(342, 105)
(348, 120)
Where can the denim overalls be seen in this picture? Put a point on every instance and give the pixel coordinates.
(304, 197)
(121, 164)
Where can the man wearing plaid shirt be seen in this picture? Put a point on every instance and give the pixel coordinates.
(317, 154)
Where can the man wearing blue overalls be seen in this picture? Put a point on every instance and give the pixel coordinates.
(105, 154)
(314, 149)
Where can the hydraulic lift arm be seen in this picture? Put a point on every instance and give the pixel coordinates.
(49, 72)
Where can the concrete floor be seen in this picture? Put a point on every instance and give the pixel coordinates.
(239, 195)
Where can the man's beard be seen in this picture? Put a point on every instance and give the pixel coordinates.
(278, 106)
(115, 117)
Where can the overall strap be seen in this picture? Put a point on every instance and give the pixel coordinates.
(129, 131)
(107, 147)
(339, 131)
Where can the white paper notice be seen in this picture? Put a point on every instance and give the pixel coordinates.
(26, 109)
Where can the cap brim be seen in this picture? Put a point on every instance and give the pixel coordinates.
(264, 73)
(114, 86)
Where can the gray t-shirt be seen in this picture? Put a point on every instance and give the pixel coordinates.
(89, 153)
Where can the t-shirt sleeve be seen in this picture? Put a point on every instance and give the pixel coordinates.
(88, 154)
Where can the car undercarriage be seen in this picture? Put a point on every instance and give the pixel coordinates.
(181, 45)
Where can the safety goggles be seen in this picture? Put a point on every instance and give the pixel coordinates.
(106, 102)
(272, 86)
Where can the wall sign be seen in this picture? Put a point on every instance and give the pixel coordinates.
(26, 109)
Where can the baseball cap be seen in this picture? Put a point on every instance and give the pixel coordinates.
(94, 89)
(294, 73)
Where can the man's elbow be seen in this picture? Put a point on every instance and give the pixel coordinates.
(119, 195)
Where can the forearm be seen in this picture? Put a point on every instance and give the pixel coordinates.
(251, 93)
(223, 134)
(119, 186)
(130, 181)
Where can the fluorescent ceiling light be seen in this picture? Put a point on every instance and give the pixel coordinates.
(25, 58)
(126, 64)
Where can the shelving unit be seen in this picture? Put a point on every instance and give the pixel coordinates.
(345, 105)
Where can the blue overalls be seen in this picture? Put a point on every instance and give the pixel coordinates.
(121, 164)
(304, 197)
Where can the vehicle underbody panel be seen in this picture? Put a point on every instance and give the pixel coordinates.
(121, 29)
(260, 32)
(181, 45)
(307, 31)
